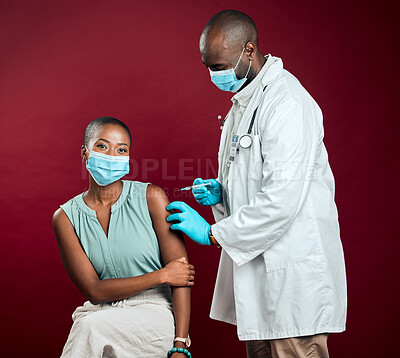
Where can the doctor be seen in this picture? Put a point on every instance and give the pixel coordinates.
(281, 276)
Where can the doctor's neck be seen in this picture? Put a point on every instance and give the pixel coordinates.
(257, 63)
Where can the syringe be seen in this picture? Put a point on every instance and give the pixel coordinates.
(195, 186)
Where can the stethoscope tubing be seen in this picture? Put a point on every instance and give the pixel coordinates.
(245, 140)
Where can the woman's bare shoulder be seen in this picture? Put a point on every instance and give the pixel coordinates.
(59, 217)
(156, 197)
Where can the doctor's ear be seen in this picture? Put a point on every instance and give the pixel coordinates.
(251, 50)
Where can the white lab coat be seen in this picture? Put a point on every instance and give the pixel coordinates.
(281, 271)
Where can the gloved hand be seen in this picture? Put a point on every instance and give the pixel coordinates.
(207, 195)
(191, 223)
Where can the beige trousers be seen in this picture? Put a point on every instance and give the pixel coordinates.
(138, 326)
(299, 347)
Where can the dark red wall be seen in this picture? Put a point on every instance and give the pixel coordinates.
(64, 63)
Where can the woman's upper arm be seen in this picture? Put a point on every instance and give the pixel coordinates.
(171, 242)
(76, 262)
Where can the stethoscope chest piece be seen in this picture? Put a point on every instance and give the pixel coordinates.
(245, 141)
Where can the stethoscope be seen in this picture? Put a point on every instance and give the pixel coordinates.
(245, 140)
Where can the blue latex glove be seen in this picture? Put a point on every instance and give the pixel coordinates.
(191, 223)
(207, 195)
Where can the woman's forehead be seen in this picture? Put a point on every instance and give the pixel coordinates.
(112, 133)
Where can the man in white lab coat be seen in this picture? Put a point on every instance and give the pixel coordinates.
(281, 276)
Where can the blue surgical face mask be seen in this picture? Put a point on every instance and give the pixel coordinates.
(226, 80)
(106, 169)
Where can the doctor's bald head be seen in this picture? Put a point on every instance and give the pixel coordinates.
(233, 27)
(230, 39)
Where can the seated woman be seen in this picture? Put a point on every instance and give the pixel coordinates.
(118, 249)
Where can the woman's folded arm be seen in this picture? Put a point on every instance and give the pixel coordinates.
(84, 276)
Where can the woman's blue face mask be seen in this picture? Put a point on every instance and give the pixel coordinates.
(106, 169)
(226, 80)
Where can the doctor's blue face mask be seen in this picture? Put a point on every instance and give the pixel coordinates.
(106, 169)
(226, 80)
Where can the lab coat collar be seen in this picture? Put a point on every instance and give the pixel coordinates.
(243, 97)
(271, 73)
(274, 70)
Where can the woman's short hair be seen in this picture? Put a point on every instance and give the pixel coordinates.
(94, 125)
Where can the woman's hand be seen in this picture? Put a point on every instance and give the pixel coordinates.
(179, 272)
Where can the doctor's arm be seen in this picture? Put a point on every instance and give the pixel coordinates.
(172, 246)
(289, 143)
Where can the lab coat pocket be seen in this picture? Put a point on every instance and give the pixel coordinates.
(300, 243)
(271, 266)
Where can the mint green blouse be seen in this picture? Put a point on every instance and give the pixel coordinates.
(131, 248)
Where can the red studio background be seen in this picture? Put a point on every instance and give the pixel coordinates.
(64, 63)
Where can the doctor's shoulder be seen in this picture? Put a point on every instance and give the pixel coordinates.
(293, 93)
(277, 104)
